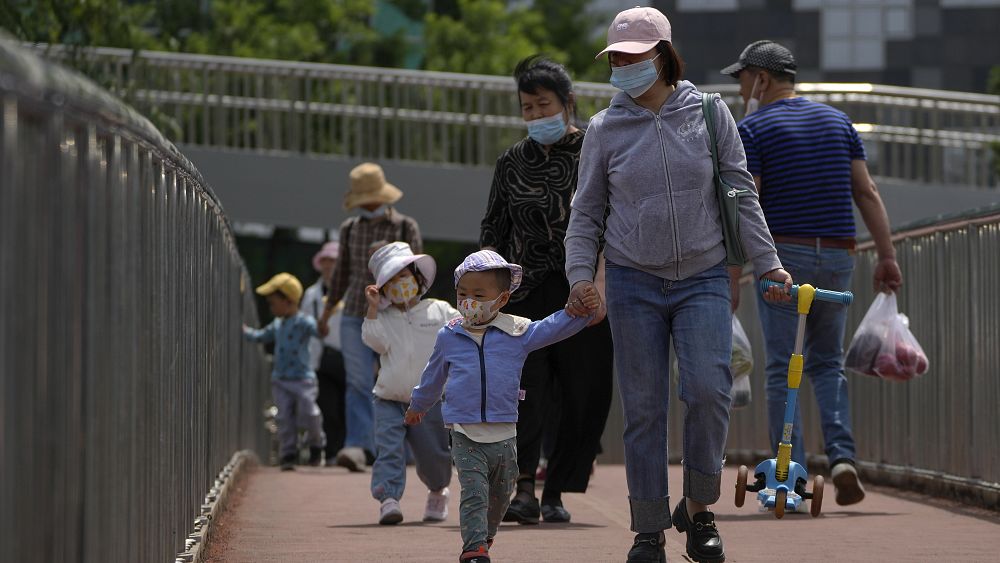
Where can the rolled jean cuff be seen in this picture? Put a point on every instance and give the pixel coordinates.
(650, 515)
(702, 488)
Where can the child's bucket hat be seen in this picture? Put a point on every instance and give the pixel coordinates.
(387, 261)
(329, 250)
(489, 260)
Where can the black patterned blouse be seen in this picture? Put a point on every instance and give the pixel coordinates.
(528, 209)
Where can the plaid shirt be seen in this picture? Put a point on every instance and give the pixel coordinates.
(351, 274)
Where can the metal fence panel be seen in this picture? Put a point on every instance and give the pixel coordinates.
(462, 119)
(942, 425)
(126, 385)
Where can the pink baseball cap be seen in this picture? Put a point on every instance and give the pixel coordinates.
(637, 30)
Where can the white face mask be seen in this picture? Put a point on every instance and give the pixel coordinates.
(477, 313)
(753, 104)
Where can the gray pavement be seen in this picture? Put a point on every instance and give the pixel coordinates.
(327, 514)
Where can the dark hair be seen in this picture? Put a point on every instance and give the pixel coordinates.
(417, 275)
(777, 75)
(503, 278)
(673, 64)
(537, 72)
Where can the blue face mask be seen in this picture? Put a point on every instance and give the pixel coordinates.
(635, 79)
(379, 212)
(547, 130)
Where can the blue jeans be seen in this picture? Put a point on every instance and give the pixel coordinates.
(428, 440)
(359, 362)
(646, 312)
(824, 268)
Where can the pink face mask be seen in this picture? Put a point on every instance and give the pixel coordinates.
(477, 313)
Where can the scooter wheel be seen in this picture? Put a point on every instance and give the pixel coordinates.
(817, 499)
(741, 485)
(779, 503)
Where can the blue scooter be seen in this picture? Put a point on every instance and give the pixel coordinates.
(780, 483)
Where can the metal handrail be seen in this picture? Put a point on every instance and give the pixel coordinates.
(913, 134)
(126, 383)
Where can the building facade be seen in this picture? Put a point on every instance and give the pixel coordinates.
(944, 44)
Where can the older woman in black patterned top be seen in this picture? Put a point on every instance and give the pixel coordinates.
(525, 222)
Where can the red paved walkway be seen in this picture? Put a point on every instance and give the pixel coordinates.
(327, 515)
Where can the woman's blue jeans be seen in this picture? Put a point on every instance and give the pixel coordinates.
(825, 268)
(359, 363)
(647, 312)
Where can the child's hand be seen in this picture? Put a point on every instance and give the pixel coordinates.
(371, 294)
(246, 329)
(591, 298)
(412, 417)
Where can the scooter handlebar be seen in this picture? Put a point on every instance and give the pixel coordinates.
(843, 297)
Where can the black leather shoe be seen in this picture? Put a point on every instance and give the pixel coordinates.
(555, 514)
(648, 548)
(523, 509)
(704, 544)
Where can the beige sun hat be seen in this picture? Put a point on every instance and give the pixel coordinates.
(368, 185)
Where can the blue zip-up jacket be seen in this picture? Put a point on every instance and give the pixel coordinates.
(482, 383)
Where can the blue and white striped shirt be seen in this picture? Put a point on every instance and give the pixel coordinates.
(802, 152)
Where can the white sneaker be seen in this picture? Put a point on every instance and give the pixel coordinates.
(437, 505)
(389, 513)
(351, 458)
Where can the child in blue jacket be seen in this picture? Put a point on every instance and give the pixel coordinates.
(476, 363)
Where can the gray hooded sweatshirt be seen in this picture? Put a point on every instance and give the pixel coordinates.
(655, 172)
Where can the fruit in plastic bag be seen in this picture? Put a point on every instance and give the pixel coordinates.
(862, 353)
(741, 392)
(884, 339)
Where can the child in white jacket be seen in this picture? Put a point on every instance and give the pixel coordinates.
(402, 328)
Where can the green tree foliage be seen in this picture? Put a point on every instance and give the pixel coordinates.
(488, 37)
(491, 36)
(111, 23)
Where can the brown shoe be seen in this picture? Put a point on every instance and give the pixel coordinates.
(847, 483)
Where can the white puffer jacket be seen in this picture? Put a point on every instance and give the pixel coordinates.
(404, 340)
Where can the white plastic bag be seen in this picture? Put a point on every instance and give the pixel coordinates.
(883, 345)
(741, 365)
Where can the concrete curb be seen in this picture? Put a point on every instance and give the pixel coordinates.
(214, 504)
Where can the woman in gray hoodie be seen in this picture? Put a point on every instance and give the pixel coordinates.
(647, 157)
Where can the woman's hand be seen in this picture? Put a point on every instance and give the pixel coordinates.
(775, 294)
(412, 417)
(582, 293)
(735, 272)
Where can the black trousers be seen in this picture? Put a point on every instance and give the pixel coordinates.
(332, 386)
(575, 373)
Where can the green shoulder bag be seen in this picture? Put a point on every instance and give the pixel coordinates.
(729, 197)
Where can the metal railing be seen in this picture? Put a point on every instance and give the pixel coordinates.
(937, 432)
(126, 385)
(463, 119)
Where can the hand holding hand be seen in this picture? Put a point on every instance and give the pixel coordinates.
(774, 293)
(412, 417)
(583, 300)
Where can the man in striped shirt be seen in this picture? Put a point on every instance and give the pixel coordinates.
(809, 166)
